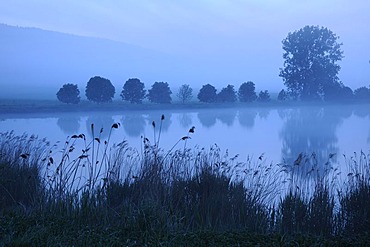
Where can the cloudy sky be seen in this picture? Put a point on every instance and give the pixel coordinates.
(246, 32)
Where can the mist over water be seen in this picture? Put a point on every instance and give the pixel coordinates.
(280, 134)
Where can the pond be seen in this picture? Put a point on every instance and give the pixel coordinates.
(280, 134)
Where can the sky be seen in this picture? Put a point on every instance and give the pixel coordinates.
(245, 33)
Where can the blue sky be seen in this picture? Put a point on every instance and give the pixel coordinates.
(250, 31)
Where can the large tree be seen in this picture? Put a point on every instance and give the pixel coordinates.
(247, 92)
(160, 93)
(207, 94)
(69, 94)
(310, 67)
(227, 94)
(133, 91)
(185, 93)
(99, 90)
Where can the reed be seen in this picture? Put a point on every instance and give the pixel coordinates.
(155, 196)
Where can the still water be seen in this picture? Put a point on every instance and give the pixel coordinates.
(280, 134)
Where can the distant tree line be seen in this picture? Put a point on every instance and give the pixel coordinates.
(101, 90)
(310, 72)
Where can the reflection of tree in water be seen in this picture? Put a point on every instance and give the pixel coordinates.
(362, 111)
(227, 116)
(283, 112)
(247, 117)
(133, 124)
(102, 121)
(166, 123)
(69, 125)
(307, 131)
(263, 113)
(185, 120)
(207, 118)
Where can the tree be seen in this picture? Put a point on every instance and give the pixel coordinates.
(160, 93)
(207, 94)
(133, 91)
(185, 93)
(338, 92)
(362, 94)
(283, 95)
(227, 94)
(99, 90)
(247, 92)
(264, 96)
(310, 67)
(69, 94)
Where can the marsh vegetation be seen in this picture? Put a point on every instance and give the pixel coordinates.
(115, 194)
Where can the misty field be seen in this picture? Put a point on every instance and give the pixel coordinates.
(113, 194)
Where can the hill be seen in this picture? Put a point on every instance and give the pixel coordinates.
(35, 63)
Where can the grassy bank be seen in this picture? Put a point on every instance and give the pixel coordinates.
(54, 106)
(115, 195)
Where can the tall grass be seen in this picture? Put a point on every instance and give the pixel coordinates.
(21, 158)
(152, 194)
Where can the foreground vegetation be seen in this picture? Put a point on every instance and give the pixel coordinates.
(115, 195)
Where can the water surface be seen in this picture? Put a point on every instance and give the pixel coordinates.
(280, 134)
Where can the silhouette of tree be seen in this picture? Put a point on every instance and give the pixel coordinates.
(283, 95)
(338, 92)
(133, 91)
(207, 94)
(160, 93)
(99, 90)
(264, 96)
(185, 93)
(227, 94)
(247, 92)
(310, 66)
(69, 94)
(362, 94)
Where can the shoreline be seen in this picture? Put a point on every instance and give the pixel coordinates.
(9, 107)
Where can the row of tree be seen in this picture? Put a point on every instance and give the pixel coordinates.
(101, 90)
(311, 56)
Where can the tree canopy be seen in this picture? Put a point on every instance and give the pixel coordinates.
(264, 96)
(227, 94)
(247, 92)
(362, 94)
(99, 90)
(160, 93)
(69, 94)
(282, 96)
(185, 93)
(310, 67)
(207, 94)
(133, 91)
